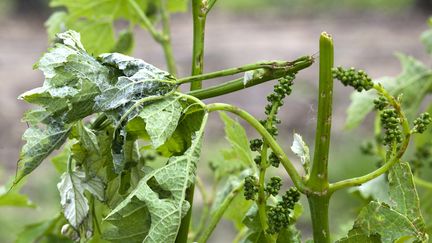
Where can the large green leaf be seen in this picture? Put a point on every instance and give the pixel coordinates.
(75, 204)
(414, 83)
(398, 219)
(163, 192)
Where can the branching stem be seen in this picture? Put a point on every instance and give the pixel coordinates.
(357, 181)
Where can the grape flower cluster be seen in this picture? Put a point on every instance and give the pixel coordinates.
(380, 103)
(421, 123)
(279, 215)
(275, 99)
(359, 80)
(390, 122)
(250, 187)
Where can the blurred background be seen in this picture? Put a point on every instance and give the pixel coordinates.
(366, 34)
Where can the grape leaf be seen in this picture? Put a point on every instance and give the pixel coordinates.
(74, 203)
(14, 199)
(161, 119)
(237, 137)
(414, 83)
(40, 143)
(238, 157)
(239, 206)
(399, 218)
(45, 231)
(129, 228)
(162, 191)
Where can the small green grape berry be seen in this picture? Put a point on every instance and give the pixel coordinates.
(250, 187)
(273, 187)
(421, 123)
(274, 160)
(257, 159)
(255, 144)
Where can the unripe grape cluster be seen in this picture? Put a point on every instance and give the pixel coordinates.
(275, 99)
(273, 187)
(380, 103)
(274, 160)
(421, 123)
(359, 80)
(390, 122)
(279, 215)
(255, 144)
(250, 187)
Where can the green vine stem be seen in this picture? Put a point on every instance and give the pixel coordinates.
(285, 161)
(205, 212)
(238, 84)
(199, 15)
(262, 199)
(219, 212)
(357, 181)
(272, 65)
(317, 184)
(163, 38)
(166, 41)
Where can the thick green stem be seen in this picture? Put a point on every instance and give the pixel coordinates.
(317, 184)
(219, 212)
(285, 161)
(238, 84)
(319, 205)
(199, 18)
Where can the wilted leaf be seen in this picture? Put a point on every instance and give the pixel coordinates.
(162, 191)
(40, 143)
(161, 119)
(73, 200)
